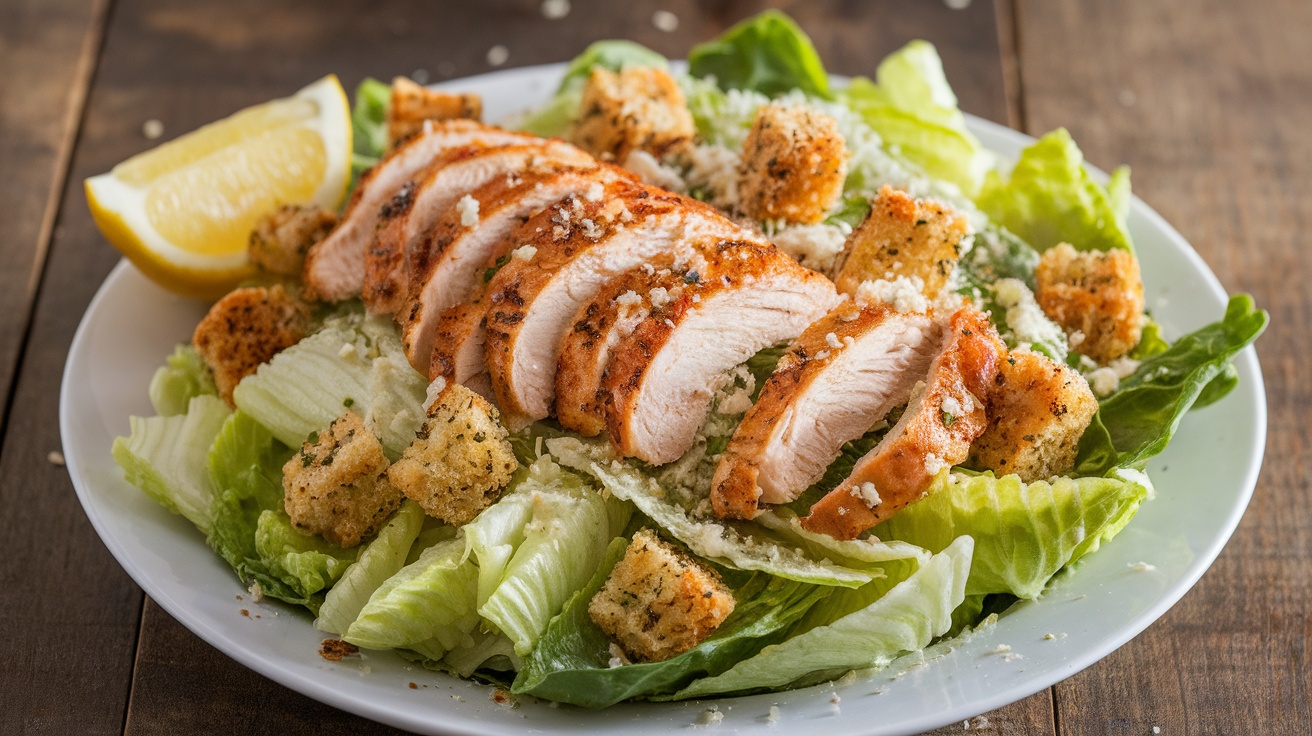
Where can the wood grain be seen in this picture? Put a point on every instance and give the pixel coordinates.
(1209, 103)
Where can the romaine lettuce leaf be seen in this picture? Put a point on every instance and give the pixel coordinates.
(566, 534)
(182, 378)
(1024, 532)
(483, 650)
(855, 629)
(368, 126)
(427, 605)
(166, 456)
(555, 116)
(743, 546)
(307, 564)
(914, 110)
(767, 53)
(571, 663)
(354, 362)
(380, 560)
(1049, 198)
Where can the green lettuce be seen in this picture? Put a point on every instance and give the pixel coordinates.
(166, 457)
(354, 362)
(1050, 198)
(380, 560)
(572, 662)
(914, 110)
(739, 546)
(855, 629)
(1024, 532)
(554, 118)
(484, 650)
(368, 125)
(427, 605)
(569, 526)
(307, 564)
(767, 53)
(182, 378)
(1135, 423)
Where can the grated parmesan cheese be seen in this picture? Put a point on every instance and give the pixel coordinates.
(832, 341)
(659, 297)
(868, 494)
(814, 246)
(903, 293)
(524, 253)
(468, 209)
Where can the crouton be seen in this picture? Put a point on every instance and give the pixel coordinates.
(793, 166)
(1037, 411)
(280, 241)
(335, 487)
(638, 109)
(658, 602)
(1096, 297)
(245, 329)
(413, 104)
(902, 237)
(460, 461)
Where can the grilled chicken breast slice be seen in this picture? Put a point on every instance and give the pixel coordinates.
(661, 379)
(441, 188)
(838, 379)
(600, 325)
(450, 264)
(579, 245)
(934, 433)
(334, 267)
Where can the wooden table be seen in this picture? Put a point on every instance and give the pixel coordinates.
(1210, 102)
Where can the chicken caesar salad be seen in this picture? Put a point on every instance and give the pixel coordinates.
(681, 384)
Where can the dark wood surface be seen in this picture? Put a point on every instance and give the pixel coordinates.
(1209, 102)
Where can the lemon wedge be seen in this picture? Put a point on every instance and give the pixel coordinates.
(183, 212)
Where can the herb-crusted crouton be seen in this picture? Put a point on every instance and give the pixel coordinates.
(460, 461)
(412, 104)
(793, 166)
(902, 237)
(1037, 411)
(658, 602)
(280, 241)
(245, 329)
(638, 109)
(335, 487)
(1096, 296)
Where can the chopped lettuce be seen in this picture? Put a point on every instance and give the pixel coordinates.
(182, 378)
(380, 560)
(1024, 532)
(307, 564)
(1050, 198)
(1136, 422)
(739, 546)
(483, 650)
(767, 53)
(354, 362)
(427, 606)
(368, 125)
(572, 662)
(565, 538)
(554, 118)
(914, 110)
(855, 629)
(166, 457)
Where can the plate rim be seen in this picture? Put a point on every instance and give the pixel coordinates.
(1247, 361)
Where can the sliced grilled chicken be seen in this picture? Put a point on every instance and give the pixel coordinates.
(450, 264)
(459, 336)
(438, 189)
(838, 379)
(934, 433)
(601, 324)
(579, 245)
(334, 268)
(662, 378)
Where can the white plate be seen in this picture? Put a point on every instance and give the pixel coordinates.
(1203, 482)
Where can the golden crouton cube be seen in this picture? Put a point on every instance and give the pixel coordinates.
(793, 167)
(460, 461)
(1037, 411)
(902, 236)
(245, 329)
(638, 109)
(1096, 296)
(280, 241)
(412, 104)
(658, 602)
(335, 487)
